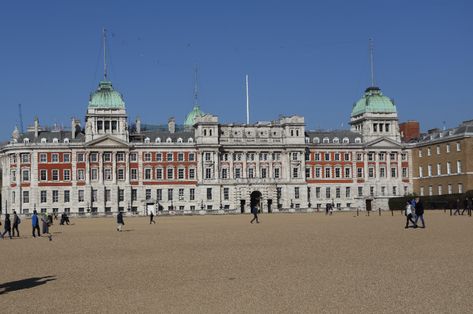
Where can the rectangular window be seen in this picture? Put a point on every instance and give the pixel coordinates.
(67, 196)
(170, 173)
(317, 156)
(447, 147)
(107, 174)
(439, 169)
(347, 172)
(421, 191)
(318, 172)
(107, 157)
(370, 156)
(405, 172)
(94, 174)
(337, 157)
(371, 190)
(148, 174)
(459, 166)
(393, 156)
(237, 173)
(295, 156)
(121, 174)
(180, 174)
(25, 158)
(80, 157)
(296, 193)
(170, 194)
(317, 192)
(251, 173)
(209, 194)
(383, 190)
(394, 190)
(337, 192)
(360, 191)
(120, 157)
(264, 173)
(460, 188)
(133, 157)
(226, 194)
(438, 151)
(359, 172)
(55, 196)
(295, 173)
(25, 175)
(327, 192)
(224, 173)
(169, 157)
(429, 170)
(430, 190)
(338, 172)
(382, 172)
(458, 147)
(93, 157)
(347, 157)
(26, 197)
(159, 157)
(159, 173)
(43, 196)
(80, 175)
(80, 196)
(347, 191)
(450, 190)
(181, 194)
(276, 173)
(429, 151)
(159, 194)
(55, 175)
(134, 195)
(148, 194)
(134, 174)
(43, 175)
(66, 157)
(327, 156)
(208, 173)
(67, 175)
(43, 158)
(439, 190)
(327, 172)
(393, 172)
(147, 157)
(191, 173)
(108, 195)
(191, 194)
(307, 172)
(180, 157)
(191, 157)
(121, 195)
(207, 157)
(421, 173)
(371, 172)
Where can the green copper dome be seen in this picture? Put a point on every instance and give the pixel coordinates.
(373, 101)
(190, 119)
(106, 97)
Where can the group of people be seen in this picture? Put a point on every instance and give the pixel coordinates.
(414, 211)
(8, 227)
(46, 221)
(467, 205)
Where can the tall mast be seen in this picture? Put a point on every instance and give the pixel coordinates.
(196, 87)
(104, 35)
(371, 61)
(247, 102)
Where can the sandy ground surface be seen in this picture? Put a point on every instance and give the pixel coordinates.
(290, 263)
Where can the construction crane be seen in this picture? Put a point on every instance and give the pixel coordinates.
(21, 118)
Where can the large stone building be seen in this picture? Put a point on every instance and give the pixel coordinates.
(443, 162)
(203, 165)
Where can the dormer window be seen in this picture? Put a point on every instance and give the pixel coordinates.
(26, 140)
(55, 140)
(66, 140)
(179, 140)
(147, 140)
(168, 140)
(190, 140)
(158, 140)
(43, 140)
(336, 140)
(346, 140)
(316, 140)
(326, 140)
(358, 140)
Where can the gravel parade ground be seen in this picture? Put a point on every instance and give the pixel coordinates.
(289, 263)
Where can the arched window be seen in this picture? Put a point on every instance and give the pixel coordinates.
(158, 140)
(326, 140)
(316, 140)
(358, 140)
(168, 140)
(44, 141)
(346, 140)
(179, 140)
(147, 140)
(66, 140)
(336, 140)
(190, 140)
(55, 140)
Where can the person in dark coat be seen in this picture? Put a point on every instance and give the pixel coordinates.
(457, 210)
(419, 212)
(254, 211)
(46, 224)
(465, 205)
(16, 222)
(151, 217)
(6, 227)
(35, 224)
(120, 222)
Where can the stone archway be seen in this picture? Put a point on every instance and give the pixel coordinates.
(255, 199)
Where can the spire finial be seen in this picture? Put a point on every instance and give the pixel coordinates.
(371, 60)
(104, 37)
(196, 87)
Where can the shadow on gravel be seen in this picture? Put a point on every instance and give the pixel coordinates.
(24, 284)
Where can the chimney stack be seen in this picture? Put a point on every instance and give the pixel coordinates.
(172, 125)
(36, 127)
(138, 125)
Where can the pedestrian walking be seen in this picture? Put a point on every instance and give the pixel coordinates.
(254, 211)
(408, 213)
(327, 208)
(16, 222)
(35, 223)
(457, 210)
(45, 225)
(120, 222)
(151, 218)
(465, 205)
(6, 227)
(419, 210)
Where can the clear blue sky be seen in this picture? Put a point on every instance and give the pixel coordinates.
(303, 57)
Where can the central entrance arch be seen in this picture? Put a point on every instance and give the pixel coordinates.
(255, 199)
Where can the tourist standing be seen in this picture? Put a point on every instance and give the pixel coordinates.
(45, 223)
(409, 216)
(420, 212)
(120, 222)
(465, 205)
(151, 218)
(254, 211)
(16, 222)
(6, 227)
(35, 223)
